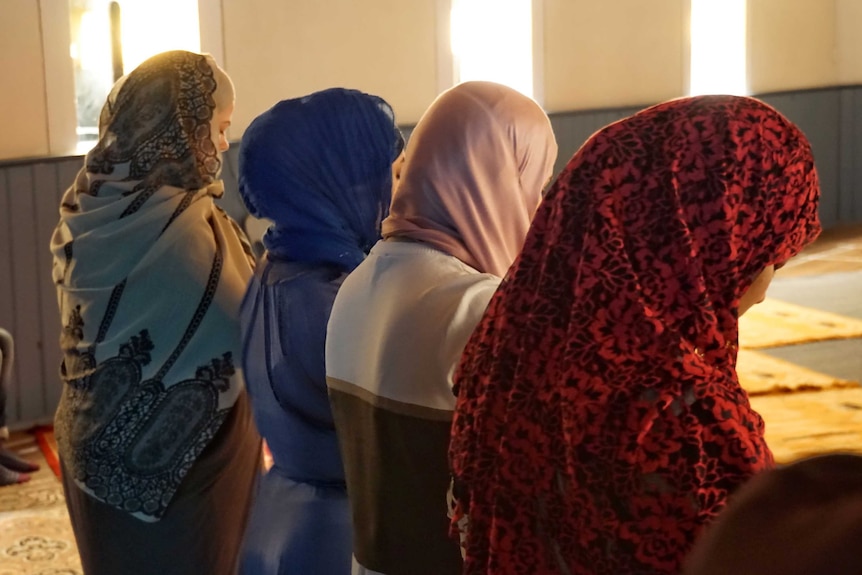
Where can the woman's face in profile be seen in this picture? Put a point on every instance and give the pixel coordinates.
(220, 123)
(756, 293)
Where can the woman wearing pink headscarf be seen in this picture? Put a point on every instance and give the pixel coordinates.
(473, 178)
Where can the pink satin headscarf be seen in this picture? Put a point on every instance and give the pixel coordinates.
(473, 177)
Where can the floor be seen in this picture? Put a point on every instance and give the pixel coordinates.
(826, 276)
(35, 535)
(835, 251)
(36, 538)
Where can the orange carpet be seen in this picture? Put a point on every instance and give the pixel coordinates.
(761, 374)
(45, 437)
(776, 323)
(807, 423)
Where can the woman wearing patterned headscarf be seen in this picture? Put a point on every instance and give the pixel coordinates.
(156, 440)
(476, 164)
(599, 422)
(320, 168)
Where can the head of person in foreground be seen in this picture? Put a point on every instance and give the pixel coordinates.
(803, 519)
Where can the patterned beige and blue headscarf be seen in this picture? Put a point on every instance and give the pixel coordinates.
(149, 274)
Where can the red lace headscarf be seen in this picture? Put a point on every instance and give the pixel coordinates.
(599, 421)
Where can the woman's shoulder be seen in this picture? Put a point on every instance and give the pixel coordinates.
(290, 289)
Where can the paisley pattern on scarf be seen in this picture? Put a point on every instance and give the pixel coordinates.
(156, 125)
(599, 422)
(150, 430)
(150, 275)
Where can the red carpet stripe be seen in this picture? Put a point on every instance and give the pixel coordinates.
(45, 437)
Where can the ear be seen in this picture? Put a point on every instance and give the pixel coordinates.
(397, 166)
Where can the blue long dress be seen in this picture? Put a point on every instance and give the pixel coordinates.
(284, 314)
(319, 168)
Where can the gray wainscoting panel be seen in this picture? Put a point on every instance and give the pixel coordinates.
(572, 129)
(818, 114)
(46, 185)
(29, 206)
(30, 192)
(25, 281)
(850, 149)
(7, 292)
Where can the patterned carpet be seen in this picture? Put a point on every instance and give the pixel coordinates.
(761, 374)
(790, 336)
(35, 535)
(803, 424)
(804, 376)
(776, 323)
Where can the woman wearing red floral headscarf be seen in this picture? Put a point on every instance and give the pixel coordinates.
(599, 422)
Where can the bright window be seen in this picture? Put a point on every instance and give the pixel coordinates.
(91, 49)
(718, 39)
(493, 40)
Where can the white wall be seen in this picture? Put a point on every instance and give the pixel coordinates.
(848, 19)
(37, 90)
(605, 53)
(22, 97)
(595, 54)
(59, 77)
(792, 44)
(276, 49)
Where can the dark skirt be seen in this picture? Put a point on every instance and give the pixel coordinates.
(203, 527)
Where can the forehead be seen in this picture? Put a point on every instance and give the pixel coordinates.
(223, 113)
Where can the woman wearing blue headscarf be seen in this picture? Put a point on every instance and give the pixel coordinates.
(321, 169)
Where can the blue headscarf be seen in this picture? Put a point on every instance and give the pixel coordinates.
(320, 167)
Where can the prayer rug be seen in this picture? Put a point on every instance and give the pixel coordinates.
(36, 537)
(775, 323)
(761, 374)
(804, 424)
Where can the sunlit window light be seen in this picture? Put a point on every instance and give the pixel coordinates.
(91, 47)
(493, 40)
(718, 39)
(181, 31)
(94, 36)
